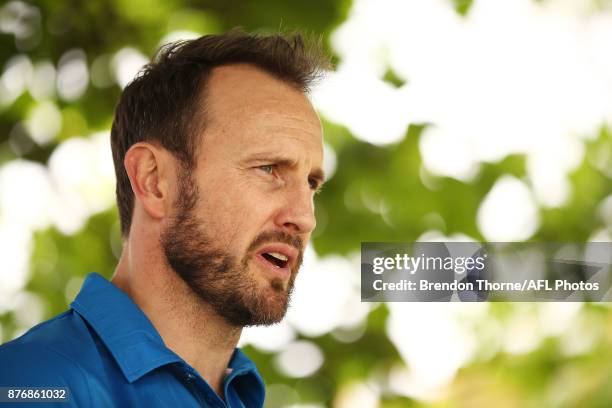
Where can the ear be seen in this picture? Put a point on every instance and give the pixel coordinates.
(148, 167)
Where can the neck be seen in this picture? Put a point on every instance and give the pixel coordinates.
(188, 325)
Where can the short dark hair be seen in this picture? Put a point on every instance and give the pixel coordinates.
(165, 102)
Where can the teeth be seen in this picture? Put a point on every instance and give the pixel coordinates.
(278, 256)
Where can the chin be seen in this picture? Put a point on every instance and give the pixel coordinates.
(272, 307)
(277, 300)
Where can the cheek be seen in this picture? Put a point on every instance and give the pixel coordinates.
(236, 214)
(238, 205)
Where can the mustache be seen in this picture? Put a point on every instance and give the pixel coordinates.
(278, 236)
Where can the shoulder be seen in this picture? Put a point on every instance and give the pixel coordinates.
(48, 355)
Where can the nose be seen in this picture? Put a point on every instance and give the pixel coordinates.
(297, 213)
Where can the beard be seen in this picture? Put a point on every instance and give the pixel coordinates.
(219, 278)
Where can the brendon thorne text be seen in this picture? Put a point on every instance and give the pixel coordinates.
(481, 285)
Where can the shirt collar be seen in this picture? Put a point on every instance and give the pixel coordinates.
(240, 365)
(132, 339)
(125, 330)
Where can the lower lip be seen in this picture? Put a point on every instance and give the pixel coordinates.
(274, 270)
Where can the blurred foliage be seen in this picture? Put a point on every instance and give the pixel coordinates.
(376, 194)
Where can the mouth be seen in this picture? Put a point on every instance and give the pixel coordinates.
(276, 258)
(279, 259)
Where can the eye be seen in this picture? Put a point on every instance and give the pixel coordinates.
(267, 168)
(314, 185)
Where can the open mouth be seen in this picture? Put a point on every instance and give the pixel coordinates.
(275, 258)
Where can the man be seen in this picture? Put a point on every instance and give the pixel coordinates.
(218, 153)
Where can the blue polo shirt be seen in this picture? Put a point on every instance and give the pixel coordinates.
(108, 354)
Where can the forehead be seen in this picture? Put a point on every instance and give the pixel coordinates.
(246, 106)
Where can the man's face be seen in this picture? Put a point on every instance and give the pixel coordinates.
(244, 215)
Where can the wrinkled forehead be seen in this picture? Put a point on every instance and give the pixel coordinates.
(246, 105)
